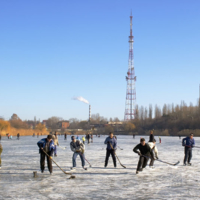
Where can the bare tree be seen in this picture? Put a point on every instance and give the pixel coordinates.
(52, 122)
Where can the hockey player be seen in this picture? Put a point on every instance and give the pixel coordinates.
(155, 152)
(188, 143)
(83, 139)
(110, 140)
(160, 140)
(78, 148)
(55, 140)
(77, 137)
(91, 138)
(46, 145)
(151, 136)
(88, 138)
(145, 153)
(1, 150)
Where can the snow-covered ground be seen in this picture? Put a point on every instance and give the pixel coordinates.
(21, 158)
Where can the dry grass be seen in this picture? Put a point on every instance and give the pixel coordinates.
(23, 132)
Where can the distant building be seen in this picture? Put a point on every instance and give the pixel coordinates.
(63, 124)
(115, 123)
(44, 122)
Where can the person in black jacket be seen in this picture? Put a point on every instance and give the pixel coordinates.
(145, 153)
(88, 138)
(151, 136)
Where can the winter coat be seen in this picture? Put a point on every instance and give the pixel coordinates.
(83, 138)
(42, 143)
(154, 148)
(77, 146)
(55, 140)
(151, 138)
(88, 137)
(78, 138)
(1, 149)
(113, 142)
(188, 142)
(144, 150)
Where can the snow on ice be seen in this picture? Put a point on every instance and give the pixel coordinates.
(20, 158)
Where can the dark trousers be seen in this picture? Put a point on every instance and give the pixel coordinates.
(151, 162)
(0, 156)
(42, 162)
(188, 154)
(112, 152)
(142, 163)
(55, 150)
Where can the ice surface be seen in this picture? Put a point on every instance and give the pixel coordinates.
(20, 158)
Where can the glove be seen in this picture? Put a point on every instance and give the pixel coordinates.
(82, 151)
(139, 154)
(78, 150)
(50, 157)
(157, 158)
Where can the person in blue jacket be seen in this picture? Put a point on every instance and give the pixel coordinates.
(188, 143)
(110, 149)
(46, 145)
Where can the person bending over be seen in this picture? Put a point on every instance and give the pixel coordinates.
(78, 148)
(46, 145)
(145, 153)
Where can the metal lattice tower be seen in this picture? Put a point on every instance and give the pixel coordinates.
(130, 78)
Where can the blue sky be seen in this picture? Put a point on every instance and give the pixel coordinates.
(51, 51)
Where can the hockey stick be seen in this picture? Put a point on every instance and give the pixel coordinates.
(190, 146)
(59, 166)
(86, 159)
(119, 148)
(62, 147)
(117, 156)
(164, 161)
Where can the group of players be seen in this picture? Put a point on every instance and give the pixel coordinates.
(146, 151)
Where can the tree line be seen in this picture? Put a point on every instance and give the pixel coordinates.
(170, 120)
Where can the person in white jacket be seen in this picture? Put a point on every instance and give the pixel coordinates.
(55, 140)
(155, 151)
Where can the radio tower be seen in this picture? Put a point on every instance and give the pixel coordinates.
(130, 78)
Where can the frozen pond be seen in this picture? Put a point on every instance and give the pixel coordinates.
(20, 158)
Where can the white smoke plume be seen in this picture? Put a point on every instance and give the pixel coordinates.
(81, 99)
